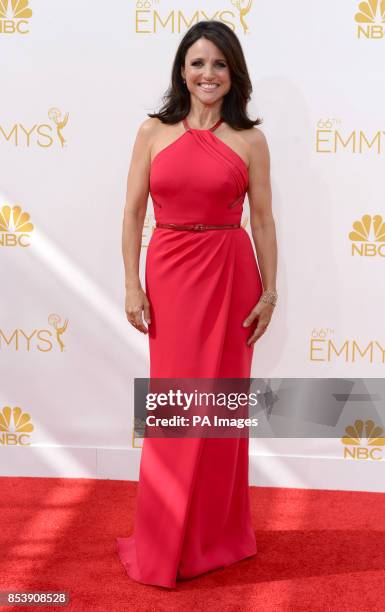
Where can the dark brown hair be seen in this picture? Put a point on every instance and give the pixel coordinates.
(176, 101)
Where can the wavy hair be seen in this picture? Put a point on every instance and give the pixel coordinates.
(176, 101)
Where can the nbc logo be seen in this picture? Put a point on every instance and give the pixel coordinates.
(371, 14)
(363, 440)
(14, 16)
(14, 226)
(368, 236)
(15, 425)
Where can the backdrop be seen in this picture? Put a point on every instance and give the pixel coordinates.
(77, 79)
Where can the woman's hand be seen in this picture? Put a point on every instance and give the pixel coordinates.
(264, 313)
(136, 302)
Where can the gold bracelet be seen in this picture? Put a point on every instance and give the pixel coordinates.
(269, 297)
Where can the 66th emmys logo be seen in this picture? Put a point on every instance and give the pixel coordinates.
(370, 19)
(36, 339)
(368, 236)
(326, 347)
(332, 138)
(15, 427)
(363, 440)
(15, 226)
(151, 19)
(40, 134)
(14, 15)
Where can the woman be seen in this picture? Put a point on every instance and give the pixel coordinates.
(206, 303)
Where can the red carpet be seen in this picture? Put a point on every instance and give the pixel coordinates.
(318, 550)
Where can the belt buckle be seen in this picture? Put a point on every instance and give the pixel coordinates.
(199, 227)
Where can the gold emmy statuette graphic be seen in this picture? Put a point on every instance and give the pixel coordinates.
(54, 320)
(355, 436)
(243, 8)
(372, 11)
(15, 425)
(55, 115)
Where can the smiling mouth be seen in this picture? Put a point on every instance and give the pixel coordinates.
(208, 86)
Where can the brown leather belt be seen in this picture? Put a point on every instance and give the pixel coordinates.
(198, 227)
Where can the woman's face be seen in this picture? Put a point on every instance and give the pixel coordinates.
(206, 65)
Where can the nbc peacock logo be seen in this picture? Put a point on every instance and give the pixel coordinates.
(150, 18)
(363, 440)
(368, 236)
(15, 226)
(370, 19)
(15, 427)
(14, 16)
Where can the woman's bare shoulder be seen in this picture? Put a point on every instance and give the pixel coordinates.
(255, 136)
(146, 135)
(258, 145)
(149, 127)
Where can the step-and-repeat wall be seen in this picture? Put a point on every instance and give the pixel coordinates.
(77, 79)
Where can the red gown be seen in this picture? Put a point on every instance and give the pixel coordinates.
(193, 506)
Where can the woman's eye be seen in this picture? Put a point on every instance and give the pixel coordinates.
(220, 64)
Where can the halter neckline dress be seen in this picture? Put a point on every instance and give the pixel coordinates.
(192, 510)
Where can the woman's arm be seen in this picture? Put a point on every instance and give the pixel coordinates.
(261, 214)
(136, 204)
(133, 221)
(262, 228)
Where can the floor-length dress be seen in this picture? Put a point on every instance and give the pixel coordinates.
(193, 505)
